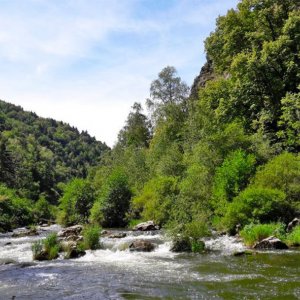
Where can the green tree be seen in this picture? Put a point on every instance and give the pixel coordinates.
(76, 202)
(111, 209)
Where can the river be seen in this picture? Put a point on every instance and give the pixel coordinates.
(115, 273)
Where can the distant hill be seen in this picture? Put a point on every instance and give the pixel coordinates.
(37, 153)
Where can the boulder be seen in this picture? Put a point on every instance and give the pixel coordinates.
(271, 242)
(293, 224)
(70, 231)
(181, 246)
(141, 246)
(118, 235)
(75, 253)
(146, 226)
(243, 253)
(41, 255)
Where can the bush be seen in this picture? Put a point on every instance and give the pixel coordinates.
(111, 209)
(46, 249)
(14, 211)
(76, 202)
(156, 199)
(254, 233)
(232, 177)
(257, 205)
(293, 238)
(43, 210)
(187, 237)
(91, 236)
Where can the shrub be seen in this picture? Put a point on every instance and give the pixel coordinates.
(232, 177)
(46, 249)
(91, 236)
(156, 199)
(254, 233)
(14, 211)
(187, 237)
(293, 238)
(76, 202)
(257, 205)
(111, 209)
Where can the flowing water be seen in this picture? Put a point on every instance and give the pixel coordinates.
(115, 273)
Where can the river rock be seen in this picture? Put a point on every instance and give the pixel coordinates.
(243, 253)
(141, 246)
(271, 242)
(23, 233)
(75, 253)
(146, 226)
(70, 231)
(293, 224)
(118, 235)
(181, 246)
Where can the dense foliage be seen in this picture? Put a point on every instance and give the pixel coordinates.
(36, 153)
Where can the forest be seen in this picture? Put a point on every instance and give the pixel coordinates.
(221, 154)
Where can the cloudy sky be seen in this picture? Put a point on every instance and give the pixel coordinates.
(86, 62)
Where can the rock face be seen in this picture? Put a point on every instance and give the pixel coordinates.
(70, 231)
(206, 74)
(146, 226)
(271, 242)
(293, 224)
(141, 246)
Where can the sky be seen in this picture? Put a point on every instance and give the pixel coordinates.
(85, 62)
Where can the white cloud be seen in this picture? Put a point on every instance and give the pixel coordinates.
(87, 62)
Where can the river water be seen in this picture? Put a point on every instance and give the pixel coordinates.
(115, 273)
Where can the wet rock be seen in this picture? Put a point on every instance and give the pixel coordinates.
(118, 235)
(181, 246)
(7, 261)
(41, 255)
(271, 242)
(7, 244)
(70, 231)
(243, 253)
(295, 222)
(24, 233)
(146, 226)
(26, 264)
(141, 246)
(75, 253)
(104, 232)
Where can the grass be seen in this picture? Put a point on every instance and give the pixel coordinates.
(91, 236)
(46, 249)
(254, 233)
(293, 238)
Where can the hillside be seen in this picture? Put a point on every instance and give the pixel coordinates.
(38, 153)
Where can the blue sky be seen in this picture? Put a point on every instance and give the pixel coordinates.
(86, 62)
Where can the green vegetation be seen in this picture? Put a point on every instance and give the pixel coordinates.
(226, 156)
(293, 238)
(254, 233)
(91, 237)
(46, 249)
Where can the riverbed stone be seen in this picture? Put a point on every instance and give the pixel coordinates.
(75, 253)
(243, 253)
(271, 242)
(141, 246)
(24, 233)
(118, 235)
(295, 222)
(70, 231)
(181, 245)
(146, 226)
